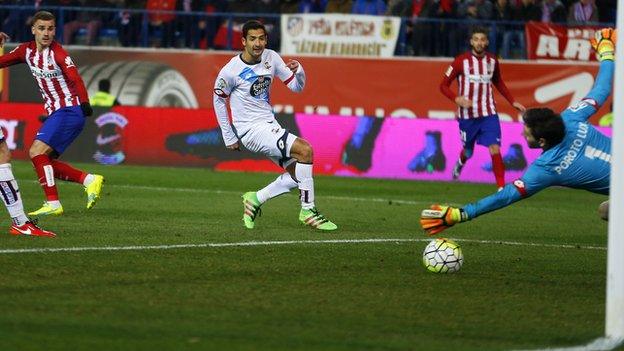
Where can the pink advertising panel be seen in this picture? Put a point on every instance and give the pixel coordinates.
(407, 148)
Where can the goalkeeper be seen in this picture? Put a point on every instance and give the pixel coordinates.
(575, 154)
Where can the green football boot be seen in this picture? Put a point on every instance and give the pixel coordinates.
(314, 219)
(251, 209)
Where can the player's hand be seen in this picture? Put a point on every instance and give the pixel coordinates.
(463, 102)
(437, 218)
(234, 147)
(4, 38)
(293, 66)
(86, 108)
(604, 44)
(518, 106)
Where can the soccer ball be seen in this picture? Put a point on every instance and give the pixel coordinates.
(443, 256)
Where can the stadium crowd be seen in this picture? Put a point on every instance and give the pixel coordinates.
(431, 27)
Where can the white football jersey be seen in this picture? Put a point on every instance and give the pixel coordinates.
(248, 86)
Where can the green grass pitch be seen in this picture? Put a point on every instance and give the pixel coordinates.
(548, 290)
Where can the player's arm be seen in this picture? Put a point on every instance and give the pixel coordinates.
(74, 80)
(497, 80)
(291, 73)
(450, 75)
(15, 56)
(604, 45)
(438, 218)
(222, 90)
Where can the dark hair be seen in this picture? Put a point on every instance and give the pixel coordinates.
(545, 123)
(42, 15)
(104, 85)
(479, 29)
(253, 24)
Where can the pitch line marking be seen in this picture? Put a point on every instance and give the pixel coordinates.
(284, 242)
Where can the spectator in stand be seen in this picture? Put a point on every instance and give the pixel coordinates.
(553, 11)
(129, 22)
(289, 6)
(161, 22)
(91, 20)
(311, 6)
(506, 34)
(476, 10)
(369, 7)
(338, 6)
(582, 11)
(607, 10)
(447, 34)
(400, 8)
(187, 21)
(207, 26)
(422, 33)
(527, 11)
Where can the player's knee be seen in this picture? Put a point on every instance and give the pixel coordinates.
(603, 210)
(303, 151)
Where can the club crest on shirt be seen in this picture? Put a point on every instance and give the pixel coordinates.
(260, 88)
(267, 65)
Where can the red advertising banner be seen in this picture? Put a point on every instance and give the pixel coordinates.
(557, 42)
(405, 87)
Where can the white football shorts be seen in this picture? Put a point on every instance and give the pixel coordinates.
(271, 140)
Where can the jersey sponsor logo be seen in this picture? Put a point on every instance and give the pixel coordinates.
(68, 62)
(519, 185)
(41, 73)
(574, 149)
(260, 88)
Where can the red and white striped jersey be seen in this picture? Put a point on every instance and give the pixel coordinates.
(475, 76)
(56, 74)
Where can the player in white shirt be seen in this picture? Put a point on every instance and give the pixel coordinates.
(246, 81)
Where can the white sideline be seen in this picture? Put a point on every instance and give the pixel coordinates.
(600, 344)
(284, 242)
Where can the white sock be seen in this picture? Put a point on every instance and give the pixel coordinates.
(279, 186)
(88, 179)
(9, 191)
(303, 172)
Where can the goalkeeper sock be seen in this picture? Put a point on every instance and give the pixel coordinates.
(499, 169)
(303, 172)
(279, 186)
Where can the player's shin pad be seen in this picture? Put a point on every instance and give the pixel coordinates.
(604, 43)
(437, 218)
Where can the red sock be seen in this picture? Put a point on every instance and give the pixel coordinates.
(65, 171)
(499, 169)
(462, 157)
(45, 173)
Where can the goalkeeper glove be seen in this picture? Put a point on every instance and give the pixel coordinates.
(437, 218)
(604, 44)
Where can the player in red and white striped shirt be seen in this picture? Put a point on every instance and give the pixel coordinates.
(476, 71)
(67, 104)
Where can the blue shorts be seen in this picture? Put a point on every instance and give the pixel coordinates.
(484, 131)
(61, 128)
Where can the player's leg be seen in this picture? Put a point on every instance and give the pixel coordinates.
(39, 156)
(490, 136)
(57, 133)
(468, 131)
(12, 199)
(92, 182)
(253, 200)
(301, 150)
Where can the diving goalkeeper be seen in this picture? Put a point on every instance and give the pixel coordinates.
(575, 154)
